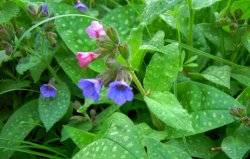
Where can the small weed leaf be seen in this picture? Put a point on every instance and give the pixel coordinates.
(53, 109)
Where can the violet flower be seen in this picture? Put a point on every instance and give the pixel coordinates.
(48, 90)
(45, 10)
(95, 30)
(120, 92)
(91, 88)
(81, 6)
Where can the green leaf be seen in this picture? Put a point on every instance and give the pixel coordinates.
(122, 18)
(155, 43)
(121, 140)
(208, 106)
(3, 57)
(18, 126)
(218, 74)
(244, 96)
(80, 137)
(135, 41)
(165, 66)
(237, 146)
(53, 109)
(69, 64)
(155, 8)
(245, 38)
(8, 10)
(155, 149)
(198, 146)
(72, 29)
(242, 75)
(26, 63)
(145, 131)
(12, 85)
(199, 4)
(167, 108)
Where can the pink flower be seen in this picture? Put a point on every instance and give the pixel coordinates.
(95, 30)
(84, 58)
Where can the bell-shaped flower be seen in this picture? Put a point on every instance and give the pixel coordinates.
(81, 6)
(95, 30)
(91, 88)
(85, 58)
(120, 92)
(48, 90)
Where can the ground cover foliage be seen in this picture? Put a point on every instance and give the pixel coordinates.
(125, 79)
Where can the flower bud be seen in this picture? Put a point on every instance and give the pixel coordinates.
(234, 112)
(233, 26)
(49, 27)
(4, 35)
(124, 50)
(240, 21)
(101, 52)
(230, 15)
(106, 43)
(76, 105)
(9, 50)
(222, 22)
(238, 13)
(123, 75)
(241, 111)
(45, 10)
(108, 76)
(112, 63)
(32, 10)
(113, 35)
(85, 58)
(51, 37)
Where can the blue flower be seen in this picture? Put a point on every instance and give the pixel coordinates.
(91, 88)
(48, 90)
(45, 9)
(120, 92)
(81, 6)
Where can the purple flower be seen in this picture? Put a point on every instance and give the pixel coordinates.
(81, 6)
(45, 9)
(120, 92)
(91, 88)
(95, 30)
(48, 90)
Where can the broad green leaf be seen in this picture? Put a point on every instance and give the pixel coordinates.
(27, 62)
(244, 96)
(145, 131)
(122, 18)
(237, 146)
(163, 69)
(208, 106)
(53, 109)
(218, 74)
(121, 140)
(8, 10)
(69, 64)
(234, 147)
(80, 137)
(167, 108)
(242, 75)
(198, 145)
(72, 29)
(12, 85)
(199, 4)
(245, 38)
(155, 43)
(18, 126)
(135, 41)
(155, 149)
(155, 8)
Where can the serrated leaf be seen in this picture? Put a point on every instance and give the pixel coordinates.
(155, 149)
(155, 8)
(53, 109)
(166, 107)
(218, 74)
(80, 137)
(198, 145)
(12, 85)
(208, 106)
(199, 4)
(121, 140)
(18, 126)
(69, 64)
(165, 66)
(7, 11)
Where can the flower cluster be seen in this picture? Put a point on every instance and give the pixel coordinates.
(116, 77)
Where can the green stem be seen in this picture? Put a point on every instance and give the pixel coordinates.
(135, 79)
(191, 22)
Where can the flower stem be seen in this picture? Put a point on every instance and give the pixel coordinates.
(135, 79)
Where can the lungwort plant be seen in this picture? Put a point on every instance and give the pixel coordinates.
(125, 79)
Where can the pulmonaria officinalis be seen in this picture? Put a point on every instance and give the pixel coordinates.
(85, 58)
(48, 90)
(95, 30)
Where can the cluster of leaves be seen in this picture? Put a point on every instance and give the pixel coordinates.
(191, 57)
